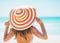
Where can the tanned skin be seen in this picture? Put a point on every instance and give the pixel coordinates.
(43, 35)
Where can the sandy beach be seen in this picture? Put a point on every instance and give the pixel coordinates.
(51, 39)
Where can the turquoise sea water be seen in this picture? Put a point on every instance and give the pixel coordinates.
(52, 24)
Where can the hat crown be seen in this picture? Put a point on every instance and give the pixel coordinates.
(19, 11)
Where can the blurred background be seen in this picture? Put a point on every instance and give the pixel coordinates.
(47, 10)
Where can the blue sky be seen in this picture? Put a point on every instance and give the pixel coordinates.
(45, 8)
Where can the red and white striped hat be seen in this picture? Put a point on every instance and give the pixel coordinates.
(22, 18)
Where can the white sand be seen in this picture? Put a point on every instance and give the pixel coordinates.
(51, 39)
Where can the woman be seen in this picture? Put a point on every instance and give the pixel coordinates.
(25, 36)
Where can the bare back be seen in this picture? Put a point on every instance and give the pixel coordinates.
(23, 36)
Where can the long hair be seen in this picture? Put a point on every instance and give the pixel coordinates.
(22, 33)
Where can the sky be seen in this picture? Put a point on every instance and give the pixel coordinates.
(44, 8)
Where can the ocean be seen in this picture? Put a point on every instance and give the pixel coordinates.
(52, 24)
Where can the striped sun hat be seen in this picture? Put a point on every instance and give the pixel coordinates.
(22, 18)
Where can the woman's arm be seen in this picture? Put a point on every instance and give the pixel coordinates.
(6, 35)
(40, 35)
